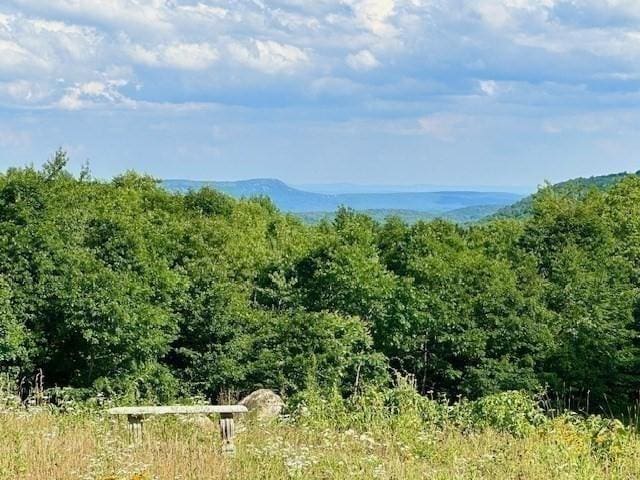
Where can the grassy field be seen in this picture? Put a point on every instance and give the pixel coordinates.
(47, 445)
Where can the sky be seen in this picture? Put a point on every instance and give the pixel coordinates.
(440, 92)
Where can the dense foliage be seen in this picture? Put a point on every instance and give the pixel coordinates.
(124, 287)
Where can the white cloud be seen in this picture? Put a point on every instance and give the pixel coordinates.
(14, 57)
(495, 14)
(428, 47)
(23, 92)
(148, 15)
(5, 21)
(488, 87)
(184, 56)
(374, 15)
(62, 41)
(363, 60)
(91, 94)
(504, 14)
(38, 50)
(206, 11)
(190, 55)
(295, 21)
(268, 56)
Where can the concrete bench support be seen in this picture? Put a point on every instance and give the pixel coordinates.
(136, 415)
(135, 428)
(227, 430)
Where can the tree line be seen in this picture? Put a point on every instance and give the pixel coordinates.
(121, 286)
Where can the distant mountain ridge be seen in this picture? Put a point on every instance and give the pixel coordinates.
(461, 215)
(338, 188)
(575, 187)
(293, 200)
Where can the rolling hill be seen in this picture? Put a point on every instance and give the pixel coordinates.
(461, 215)
(574, 187)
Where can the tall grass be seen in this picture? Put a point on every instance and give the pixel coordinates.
(391, 434)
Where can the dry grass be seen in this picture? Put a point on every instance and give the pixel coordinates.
(45, 445)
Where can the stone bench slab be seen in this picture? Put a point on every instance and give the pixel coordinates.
(178, 410)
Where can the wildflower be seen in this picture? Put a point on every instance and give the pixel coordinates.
(379, 471)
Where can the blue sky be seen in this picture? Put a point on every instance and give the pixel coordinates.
(449, 92)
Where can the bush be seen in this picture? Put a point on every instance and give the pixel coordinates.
(513, 412)
(406, 412)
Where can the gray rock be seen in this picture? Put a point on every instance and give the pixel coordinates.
(264, 404)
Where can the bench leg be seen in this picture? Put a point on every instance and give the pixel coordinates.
(135, 428)
(227, 430)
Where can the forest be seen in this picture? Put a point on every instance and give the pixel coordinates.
(125, 289)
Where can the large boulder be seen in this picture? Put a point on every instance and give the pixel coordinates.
(264, 404)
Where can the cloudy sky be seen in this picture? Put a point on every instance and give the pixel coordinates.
(493, 92)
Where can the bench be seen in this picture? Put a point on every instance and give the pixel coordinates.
(135, 417)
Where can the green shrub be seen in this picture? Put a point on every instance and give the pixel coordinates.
(513, 412)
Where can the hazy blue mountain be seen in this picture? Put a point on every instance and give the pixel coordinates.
(338, 188)
(291, 199)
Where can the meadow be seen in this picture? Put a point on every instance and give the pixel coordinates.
(393, 435)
